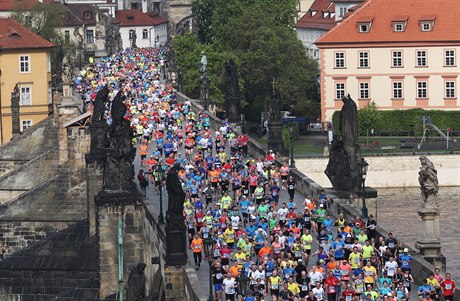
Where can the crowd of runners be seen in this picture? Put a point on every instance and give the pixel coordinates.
(288, 252)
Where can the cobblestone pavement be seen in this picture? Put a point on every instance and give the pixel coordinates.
(397, 213)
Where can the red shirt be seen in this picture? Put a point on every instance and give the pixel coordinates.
(331, 283)
(448, 287)
(348, 294)
(199, 219)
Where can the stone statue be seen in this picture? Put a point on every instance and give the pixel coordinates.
(15, 95)
(15, 98)
(428, 180)
(66, 73)
(78, 36)
(343, 166)
(119, 170)
(99, 104)
(275, 105)
(135, 288)
(232, 93)
(176, 194)
(133, 41)
(349, 121)
(203, 65)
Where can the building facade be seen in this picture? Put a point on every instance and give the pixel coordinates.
(396, 61)
(24, 60)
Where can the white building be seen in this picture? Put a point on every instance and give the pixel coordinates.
(398, 54)
(151, 30)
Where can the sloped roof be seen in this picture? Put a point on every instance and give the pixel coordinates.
(76, 14)
(135, 17)
(15, 36)
(384, 12)
(10, 5)
(314, 17)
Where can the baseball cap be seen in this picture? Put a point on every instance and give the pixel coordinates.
(406, 250)
(321, 205)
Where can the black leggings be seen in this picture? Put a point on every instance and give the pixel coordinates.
(197, 257)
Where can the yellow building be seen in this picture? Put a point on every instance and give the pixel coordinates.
(24, 60)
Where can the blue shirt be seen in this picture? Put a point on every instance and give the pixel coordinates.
(405, 260)
(244, 206)
(250, 230)
(338, 246)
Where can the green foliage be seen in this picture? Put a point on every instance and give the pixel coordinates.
(368, 118)
(286, 134)
(396, 120)
(258, 35)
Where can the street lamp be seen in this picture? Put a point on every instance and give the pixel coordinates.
(243, 284)
(158, 176)
(209, 245)
(291, 135)
(363, 165)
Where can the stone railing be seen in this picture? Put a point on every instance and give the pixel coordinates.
(421, 267)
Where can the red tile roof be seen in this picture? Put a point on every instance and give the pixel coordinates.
(384, 12)
(135, 17)
(15, 36)
(314, 17)
(10, 5)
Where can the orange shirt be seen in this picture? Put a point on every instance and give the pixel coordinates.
(331, 265)
(263, 253)
(143, 149)
(234, 271)
(214, 175)
(197, 245)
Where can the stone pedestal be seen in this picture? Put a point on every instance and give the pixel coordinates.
(176, 240)
(78, 143)
(275, 138)
(175, 283)
(429, 242)
(93, 186)
(110, 208)
(66, 112)
(233, 109)
(100, 48)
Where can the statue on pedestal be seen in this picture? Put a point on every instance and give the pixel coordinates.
(232, 92)
(275, 138)
(135, 289)
(428, 179)
(203, 65)
(176, 195)
(15, 98)
(343, 168)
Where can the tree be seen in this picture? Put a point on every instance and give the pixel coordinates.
(45, 20)
(203, 11)
(368, 118)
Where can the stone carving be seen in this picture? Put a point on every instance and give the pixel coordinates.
(428, 179)
(232, 93)
(176, 194)
(100, 105)
(15, 98)
(135, 288)
(133, 41)
(99, 127)
(349, 121)
(343, 167)
(119, 171)
(203, 65)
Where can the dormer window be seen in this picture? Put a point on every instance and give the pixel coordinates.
(313, 12)
(364, 27)
(365, 24)
(399, 26)
(426, 26)
(325, 14)
(88, 15)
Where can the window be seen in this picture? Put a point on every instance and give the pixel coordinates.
(48, 61)
(396, 58)
(397, 90)
(67, 37)
(398, 27)
(450, 89)
(421, 58)
(422, 89)
(89, 36)
(145, 34)
(131, 34)
(364, 27)
(364, 90)
(134, 5)
(25, 124)
(26, 98)
(449, 57)
(363, 59)
(340, 60)
(88, 15)
(342, 11)
(426, 26)
(24, 64)
(156, 6)
(339, 90)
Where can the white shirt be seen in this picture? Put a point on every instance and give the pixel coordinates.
(235, 220)
(282, 214)
(260, 275)
(318, 292)
(391, 268)
(229, 285)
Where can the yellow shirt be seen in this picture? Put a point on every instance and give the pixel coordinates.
(275, 282)
(239, 257)
(293, 288)
(229, 235)
(369, 273)
(354, 259)
(367, 251)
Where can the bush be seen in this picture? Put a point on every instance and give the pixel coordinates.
(397, 120)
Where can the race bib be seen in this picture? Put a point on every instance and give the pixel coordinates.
(304, 288)
(219, 275)
(332, 289)
(448, 286)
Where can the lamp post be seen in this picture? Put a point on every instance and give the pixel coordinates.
(242, 282)
(158, 176)
(291, 153)
(363, 165)
(209, 244)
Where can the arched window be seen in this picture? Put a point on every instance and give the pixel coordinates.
(131, 34)
(145, 34)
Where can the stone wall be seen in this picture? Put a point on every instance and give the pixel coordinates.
(8, 165)
(78, 144)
